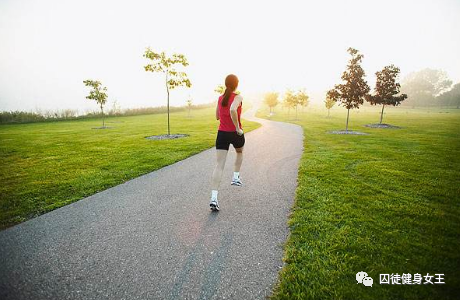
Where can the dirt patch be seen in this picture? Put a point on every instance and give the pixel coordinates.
(382, 126)
(166, 136)
(348, 132)
(105, 127)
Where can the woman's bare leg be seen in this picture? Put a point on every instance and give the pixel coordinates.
(219, 169)
(239, 159)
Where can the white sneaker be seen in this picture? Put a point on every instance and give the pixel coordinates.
(214, 205)
(237, 182)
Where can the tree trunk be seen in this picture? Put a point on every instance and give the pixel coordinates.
(328, 112)
(348, 115)
(102, 111)
(296, 112)
(381, 114)
(167, 90)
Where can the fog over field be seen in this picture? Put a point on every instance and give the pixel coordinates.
(47, 48)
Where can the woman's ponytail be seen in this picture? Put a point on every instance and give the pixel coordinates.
(226, 97)
(231, 83)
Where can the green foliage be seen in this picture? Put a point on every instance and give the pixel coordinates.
(157, 110)
(288, 99)
(98, 94)
(51, 164)
(20, 117)
(355, 89)
(271, 100)
(329, 102)
(295, 99)
(352, 92)
(162, 63)
(383, 203)
(220, 89)
(167, 65)
(8, 117)
(302, 98)
(387, 89)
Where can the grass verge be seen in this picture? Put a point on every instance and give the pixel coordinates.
(48, 165)
(383, 203)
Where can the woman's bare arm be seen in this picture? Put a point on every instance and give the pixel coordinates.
(234, 113)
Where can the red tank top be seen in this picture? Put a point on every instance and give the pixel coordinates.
(226, 123)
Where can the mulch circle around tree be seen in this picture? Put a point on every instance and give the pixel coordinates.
(166, 136)
(382, 126)
(348, 132)
(105, 127)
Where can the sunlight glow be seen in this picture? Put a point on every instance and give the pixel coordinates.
(49, 47)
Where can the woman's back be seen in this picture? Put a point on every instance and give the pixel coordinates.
(226, 123)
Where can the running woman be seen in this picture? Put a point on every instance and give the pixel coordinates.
(228, 111)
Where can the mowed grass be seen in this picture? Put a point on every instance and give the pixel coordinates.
(48, 165)
(384, 203)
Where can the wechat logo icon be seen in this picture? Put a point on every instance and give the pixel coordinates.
(361, 277)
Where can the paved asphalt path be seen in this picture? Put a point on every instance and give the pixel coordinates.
(154, 237)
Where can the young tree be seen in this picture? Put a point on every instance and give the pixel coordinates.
(294, 99)
(352, 92)
(189, 105)
(289, 100)
(167, 65)
(116, 109)
(301, 98)
(386, 89)
(220, 89)
(98, 94)
(271, 99)
(329, 103)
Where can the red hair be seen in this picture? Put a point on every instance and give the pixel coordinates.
(231, 83)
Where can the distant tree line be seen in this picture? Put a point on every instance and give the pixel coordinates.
(292, 99)
(15, 117)
(426, 87)
(430, 87)
(451, 97)
(271, 100)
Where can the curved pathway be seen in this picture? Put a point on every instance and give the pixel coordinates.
(154, 237)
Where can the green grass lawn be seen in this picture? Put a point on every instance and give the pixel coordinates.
(48, 165)
(387, 202)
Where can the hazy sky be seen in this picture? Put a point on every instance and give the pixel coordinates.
(48, 47)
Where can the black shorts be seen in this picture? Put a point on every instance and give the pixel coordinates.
(225, 138)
